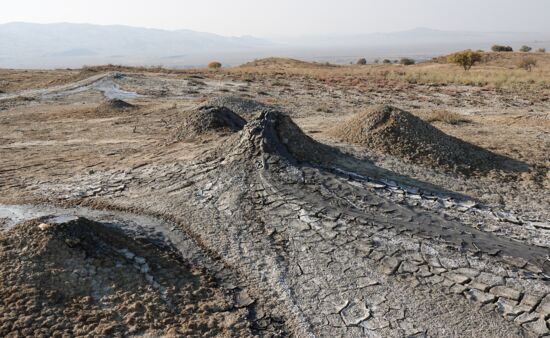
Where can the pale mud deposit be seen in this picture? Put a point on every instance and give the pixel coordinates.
(255, 222)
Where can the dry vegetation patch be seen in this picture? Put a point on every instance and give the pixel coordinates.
(445, 116)
(496, 69)
(12, 80)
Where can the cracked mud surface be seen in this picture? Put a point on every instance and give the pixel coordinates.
(290, 236)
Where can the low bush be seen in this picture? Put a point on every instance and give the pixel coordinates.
(362, 61)
(527, 63)
(499, 48)
(214, 65)
(466, 58)
(525, 49)
(407, 61)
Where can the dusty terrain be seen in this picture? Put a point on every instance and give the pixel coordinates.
(268, 200)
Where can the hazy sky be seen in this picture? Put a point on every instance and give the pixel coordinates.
(290, 17)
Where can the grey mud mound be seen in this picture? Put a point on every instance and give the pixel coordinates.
(390, 130)
(82, 278)
(242, 106)
(207, 119)
(114, 105)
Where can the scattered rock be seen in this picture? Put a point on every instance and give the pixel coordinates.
(457, 278)
(539, 327)
(506, 292)
(481, 297)
(355, 313)
(389, 265)
(544, 306)
(44, 226)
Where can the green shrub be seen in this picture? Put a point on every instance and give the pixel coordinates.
(386, 61)
(499, 48)
(214, 65)
(362, 61)
(466, 58)
(525, 49)
(407, 61)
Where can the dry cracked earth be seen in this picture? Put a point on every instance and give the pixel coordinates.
(140, 204)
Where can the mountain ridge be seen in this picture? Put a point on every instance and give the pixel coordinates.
(31, 45)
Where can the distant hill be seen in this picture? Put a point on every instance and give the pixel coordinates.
(61, 45)
(62, 42)
(424, 36)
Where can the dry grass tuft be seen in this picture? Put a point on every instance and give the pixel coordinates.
(445, 116)
(496, 70)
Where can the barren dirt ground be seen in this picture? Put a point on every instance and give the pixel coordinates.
(184, 222)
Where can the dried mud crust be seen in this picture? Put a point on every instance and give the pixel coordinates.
(321, 252)
(394, 131)
(331, 257)
(207, 119)
(340, 248)
(85, 278)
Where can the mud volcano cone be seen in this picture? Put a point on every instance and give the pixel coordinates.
(389, 130)
(96, 280)
(206, 119)
(277, 137)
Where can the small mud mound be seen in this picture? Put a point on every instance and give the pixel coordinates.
(207, 119)
(393, 131)
(114, 105)
(239, 105)
(82, 278)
